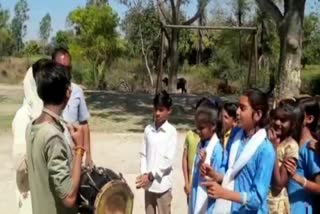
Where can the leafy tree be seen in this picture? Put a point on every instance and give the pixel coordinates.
(6, 41)
(45, 29)
(311, 38)
(62, 39)
(18, 23)
(173, 15)
(96, 2)
(31, 48)
(4, 17)
(142, 28)
(96, 35)
(140, 19)
(171, 12)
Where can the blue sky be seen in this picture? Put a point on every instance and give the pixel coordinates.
(59, 9)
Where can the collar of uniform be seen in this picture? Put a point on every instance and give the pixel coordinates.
(204, 143)
(58, 120)
(163, 127)
(227, 134)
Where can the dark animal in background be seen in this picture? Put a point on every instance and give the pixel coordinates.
(181, 84)
(224, 88)
(165, 81)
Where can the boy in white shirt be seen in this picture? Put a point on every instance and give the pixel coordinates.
(156, 158)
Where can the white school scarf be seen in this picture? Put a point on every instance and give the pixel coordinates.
(224, 206)
(201, 203)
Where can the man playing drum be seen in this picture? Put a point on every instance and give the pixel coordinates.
(54, 173)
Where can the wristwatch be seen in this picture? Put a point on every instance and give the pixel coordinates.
(150, 177)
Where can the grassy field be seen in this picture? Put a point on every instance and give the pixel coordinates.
(310, 72)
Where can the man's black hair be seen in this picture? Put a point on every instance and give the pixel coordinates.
(38, 65)
(53, 81)
(162, 99)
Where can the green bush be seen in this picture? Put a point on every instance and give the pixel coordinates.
(310, 78)
(201, 72)
(123, 74)
(128, 75)
(31, 48)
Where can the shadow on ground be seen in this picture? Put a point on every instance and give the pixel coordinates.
(111, 112)
(134, 111)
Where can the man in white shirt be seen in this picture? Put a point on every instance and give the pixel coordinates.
(156, 158)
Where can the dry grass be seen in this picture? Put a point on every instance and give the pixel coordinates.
(12, 70)
(10, 100)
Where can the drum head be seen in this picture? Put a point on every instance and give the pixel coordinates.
(115, 197)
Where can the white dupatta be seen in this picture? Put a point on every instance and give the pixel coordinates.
(201, 203)
(234, 166)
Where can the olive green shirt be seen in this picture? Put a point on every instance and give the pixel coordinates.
(190, 145)
(49, 160)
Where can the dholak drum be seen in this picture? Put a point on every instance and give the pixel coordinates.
(102, 191)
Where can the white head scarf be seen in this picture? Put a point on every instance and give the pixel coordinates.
(30, 109)
(31, 98)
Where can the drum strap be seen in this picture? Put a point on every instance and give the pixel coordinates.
(92, 182)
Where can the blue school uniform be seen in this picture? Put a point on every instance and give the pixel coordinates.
(308, 167)
(216, 162)
(233, 133)
(254, 178)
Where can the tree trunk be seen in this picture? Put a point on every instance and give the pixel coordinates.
(174, 40)
(199, 53)
(290, 33)
(95, 74)
(174, 60)
(239, 24)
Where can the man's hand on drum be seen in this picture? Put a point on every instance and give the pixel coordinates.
(142, 181)
(88, 161)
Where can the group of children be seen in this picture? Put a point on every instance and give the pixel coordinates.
(240, 158)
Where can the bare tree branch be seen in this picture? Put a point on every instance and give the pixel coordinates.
(145, 56)
(161, 9)
(201, 7)
(270, 8)
(162, 22)
(178, 4)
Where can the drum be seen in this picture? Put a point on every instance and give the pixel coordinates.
(102, 191)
